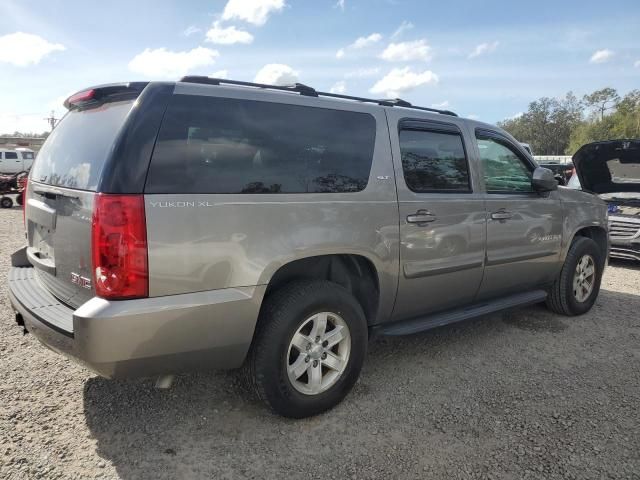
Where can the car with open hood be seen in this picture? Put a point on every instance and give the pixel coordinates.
(611, 170)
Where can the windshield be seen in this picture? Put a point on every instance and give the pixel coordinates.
(76, 150)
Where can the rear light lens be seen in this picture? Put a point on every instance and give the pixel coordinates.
(119, 247)
(80, 97)
(24, 204)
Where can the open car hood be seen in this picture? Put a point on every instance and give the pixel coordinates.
(610, 166)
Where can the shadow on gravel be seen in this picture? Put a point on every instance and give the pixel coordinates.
(208, 426)
(628, 264)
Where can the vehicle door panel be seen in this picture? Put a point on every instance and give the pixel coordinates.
(441, 258)
(524, 228)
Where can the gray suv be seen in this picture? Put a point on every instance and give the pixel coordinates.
(217, 224)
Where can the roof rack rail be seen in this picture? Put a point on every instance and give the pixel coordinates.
(311, 92)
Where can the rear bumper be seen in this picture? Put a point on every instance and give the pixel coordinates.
(144, 337)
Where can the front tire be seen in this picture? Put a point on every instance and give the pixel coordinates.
(576, 288)
(308, 349)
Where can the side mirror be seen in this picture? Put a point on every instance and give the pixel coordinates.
(543, 180)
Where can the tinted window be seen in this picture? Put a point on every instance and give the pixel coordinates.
(27, 155)
(75, 152)
(11, 155)
(504, 170)
(222, 145)
(434, 161)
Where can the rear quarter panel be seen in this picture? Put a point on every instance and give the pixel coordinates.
(201, 242)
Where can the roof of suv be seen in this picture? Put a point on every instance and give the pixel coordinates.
(305, 90)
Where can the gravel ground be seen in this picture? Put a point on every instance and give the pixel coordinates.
(522, 394)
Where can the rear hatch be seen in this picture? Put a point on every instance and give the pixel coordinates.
(62, 191)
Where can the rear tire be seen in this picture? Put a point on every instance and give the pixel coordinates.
(576, 288)
(19, 199)
(6, 202)
(296, 372)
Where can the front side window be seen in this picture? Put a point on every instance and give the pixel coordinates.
(434, 161)
(504, 171)
(226, 145)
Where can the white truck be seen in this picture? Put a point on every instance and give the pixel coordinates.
(14, 160)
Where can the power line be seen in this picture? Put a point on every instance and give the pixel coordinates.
(52, 120)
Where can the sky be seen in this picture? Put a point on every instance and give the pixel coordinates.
(481, 59)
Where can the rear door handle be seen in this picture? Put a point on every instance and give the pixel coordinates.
(421, 217)
(501, 215)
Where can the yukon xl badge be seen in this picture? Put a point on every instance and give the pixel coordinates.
(83, 282)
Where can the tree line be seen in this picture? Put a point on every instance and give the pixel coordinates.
(559, 126)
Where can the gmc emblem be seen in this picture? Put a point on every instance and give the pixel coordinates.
(80, 281)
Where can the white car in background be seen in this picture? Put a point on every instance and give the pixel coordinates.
(16, 160)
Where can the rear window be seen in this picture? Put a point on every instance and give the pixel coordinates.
(76, 150)
(223, 145)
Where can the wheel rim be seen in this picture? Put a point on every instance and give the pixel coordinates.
(318, 353)
(584, 278)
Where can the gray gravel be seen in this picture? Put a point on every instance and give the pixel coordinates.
(522, 394)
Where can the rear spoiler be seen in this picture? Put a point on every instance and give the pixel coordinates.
(95, 96)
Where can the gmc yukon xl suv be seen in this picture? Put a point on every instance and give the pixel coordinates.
(216, 224)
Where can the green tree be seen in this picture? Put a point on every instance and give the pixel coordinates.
(602, 100)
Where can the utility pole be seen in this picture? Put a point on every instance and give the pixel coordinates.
(52, 120)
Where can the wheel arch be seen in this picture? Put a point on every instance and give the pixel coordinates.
(596, 233)
(354, 272)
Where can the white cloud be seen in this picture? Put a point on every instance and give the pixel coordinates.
(444, 104)
(23, 49)
(220, 74)
(362, 73)
(190, 30)
(407, 51)
(404, 26)
(363, 42)
(339, 4)
(472, 116)
(10, 123)
(168, 64)
(253, 11)
(360, 43)
(601, 56)
(227, 35)
(276, 74)
(483, 49)
(636, 64)
(339, 87)
(515, 115)
(402, 80)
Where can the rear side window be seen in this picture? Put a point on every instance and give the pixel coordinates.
(434, 161)
(27, 155)
(10, 155)
(223, 145)
(76, 150)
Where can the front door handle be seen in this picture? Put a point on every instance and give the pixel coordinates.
(421, 217)
(501, 215)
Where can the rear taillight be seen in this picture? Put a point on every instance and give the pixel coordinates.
(119, 247)
(24, 204)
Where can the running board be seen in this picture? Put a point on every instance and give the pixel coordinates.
(415, 325)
